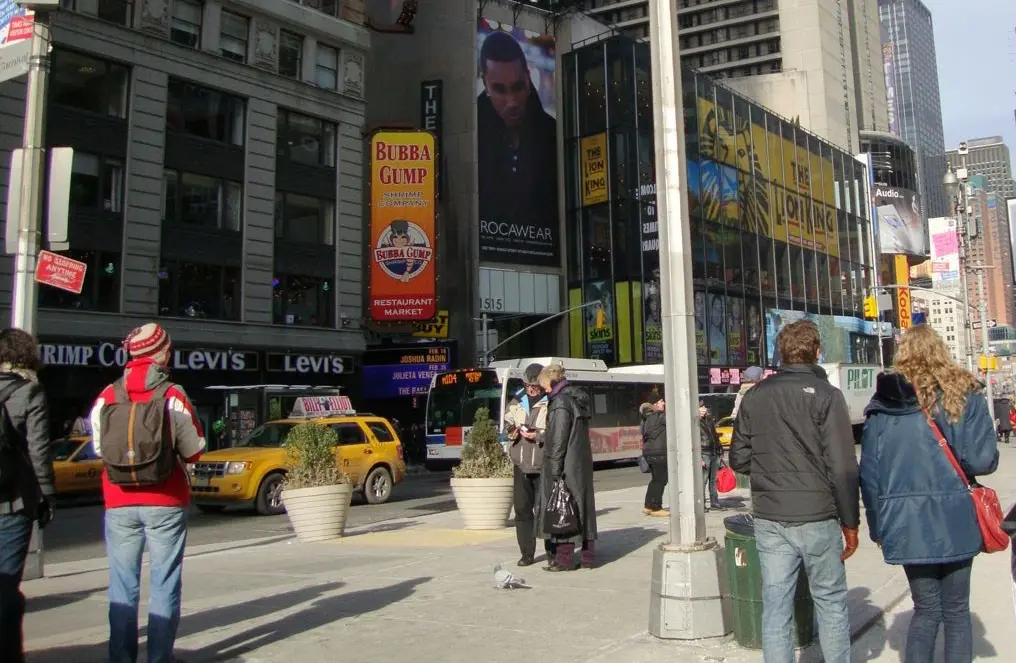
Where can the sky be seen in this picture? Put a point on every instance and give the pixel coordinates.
(975, 43)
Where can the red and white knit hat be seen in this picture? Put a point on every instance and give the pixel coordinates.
(149, 340)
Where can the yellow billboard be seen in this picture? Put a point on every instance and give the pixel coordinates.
(791, 194)
(594, 169)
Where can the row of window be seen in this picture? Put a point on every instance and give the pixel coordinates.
(90, 84)
(186, 24)
(197, 291)
(234, 37)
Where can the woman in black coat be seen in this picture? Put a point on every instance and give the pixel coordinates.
(567, 454)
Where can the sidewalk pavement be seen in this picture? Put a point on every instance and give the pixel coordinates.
(417, 589)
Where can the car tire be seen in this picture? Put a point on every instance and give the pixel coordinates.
(269, 499)
(377, 487)
(211, 508)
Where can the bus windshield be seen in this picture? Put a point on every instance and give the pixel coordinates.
(456, 396)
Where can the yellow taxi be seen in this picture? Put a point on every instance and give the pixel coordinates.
(725, 429)
(252, 473)
(77, 470)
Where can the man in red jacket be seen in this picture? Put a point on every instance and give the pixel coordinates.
(152, 514)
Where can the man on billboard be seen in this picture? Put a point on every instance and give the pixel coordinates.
(516, 141)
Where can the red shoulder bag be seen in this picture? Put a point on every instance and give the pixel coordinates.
(986, 504)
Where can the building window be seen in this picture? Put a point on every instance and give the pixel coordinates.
(101, 290)
(203, 201)
(233, 37)
(114, 11)
(304, 220)
(305, 139)
(302, 300)
(96, 183)
(330, 7)
(327, 67)
(290, 54)
(185, 28)
(204, 112)
(89, 84)
(191, 290)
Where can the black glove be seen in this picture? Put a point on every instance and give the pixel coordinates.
(45, 511)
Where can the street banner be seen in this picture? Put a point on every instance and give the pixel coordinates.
(403, 277)
(16, 27)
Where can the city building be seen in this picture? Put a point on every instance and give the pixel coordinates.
(912, 91)
(780, 225)
(945, 315)
(989, 157)
(769, 50)
(216, 187)
(990, 246)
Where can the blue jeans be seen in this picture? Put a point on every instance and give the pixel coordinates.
(127, 530)
(941, 594)
(15, 535)
(782, 549)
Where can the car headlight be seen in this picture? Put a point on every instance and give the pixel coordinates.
(237, 467)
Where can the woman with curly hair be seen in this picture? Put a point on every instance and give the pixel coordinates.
(919, 509)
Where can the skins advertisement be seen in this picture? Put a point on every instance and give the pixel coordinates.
(600, 321)
(900, 228)
(790, 195)
(516, 141)
(403, 281)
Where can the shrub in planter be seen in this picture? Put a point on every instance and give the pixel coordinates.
(317, 492)
(482, 483)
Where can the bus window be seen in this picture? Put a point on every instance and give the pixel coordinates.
(456, 396)
(626, 404)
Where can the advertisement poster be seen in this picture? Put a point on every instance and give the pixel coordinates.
(715, 318)
(840, 334)
(753, 320)
(900, 228)
(653, 324)
(516, 143)
(735, 331)
(945, 251)
(16, 27)
(593, 152)
(405, 372)
(889, 62)
(701, 353)
(403, 281)
(600, 321)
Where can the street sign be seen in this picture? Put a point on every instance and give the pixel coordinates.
(60, 272)
(16, 27)
(977, 325)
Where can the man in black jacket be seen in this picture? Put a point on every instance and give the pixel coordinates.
(654, 449)
(26, 477)
(793, 436)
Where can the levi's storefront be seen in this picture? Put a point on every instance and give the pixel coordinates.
(76, 371)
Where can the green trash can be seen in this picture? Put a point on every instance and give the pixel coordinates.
(745, 577)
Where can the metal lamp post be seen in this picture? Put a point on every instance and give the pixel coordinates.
(958, 194)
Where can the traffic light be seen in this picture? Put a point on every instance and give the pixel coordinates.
(870, 308)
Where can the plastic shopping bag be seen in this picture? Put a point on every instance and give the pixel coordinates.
(561, 515)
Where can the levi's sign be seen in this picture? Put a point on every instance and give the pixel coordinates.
(308, 364)
(113, 355)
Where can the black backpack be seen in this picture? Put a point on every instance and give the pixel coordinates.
(12, 454)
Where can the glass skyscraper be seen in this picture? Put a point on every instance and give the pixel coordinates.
(915, 104)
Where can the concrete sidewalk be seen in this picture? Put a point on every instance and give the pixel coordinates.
(417, 589)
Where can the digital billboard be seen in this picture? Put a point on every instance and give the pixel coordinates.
(900, 226)
(516, 141)
(405, 372)
(403, 278)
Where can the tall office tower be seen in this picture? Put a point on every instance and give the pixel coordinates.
(945, 315)
(816, 61)
(990, 246)
(989, 157)
(915, 104)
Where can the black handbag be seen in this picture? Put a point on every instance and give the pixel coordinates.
(561, 515)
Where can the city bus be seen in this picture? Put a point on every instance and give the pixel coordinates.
(614, 396)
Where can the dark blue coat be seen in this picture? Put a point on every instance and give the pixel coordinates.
(917, 507)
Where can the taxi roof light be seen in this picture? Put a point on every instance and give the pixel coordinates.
(316, 407)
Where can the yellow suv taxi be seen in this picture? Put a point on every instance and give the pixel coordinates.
(77, 470)
(252, 472)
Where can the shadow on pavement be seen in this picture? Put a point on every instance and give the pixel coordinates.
(612, 545)
(320, 612)
(45, 602)
(387, 526)
(896, 638)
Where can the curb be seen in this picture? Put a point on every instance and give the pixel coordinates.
(865, 626)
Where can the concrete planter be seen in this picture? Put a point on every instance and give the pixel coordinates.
(483, 503)
(318, 514)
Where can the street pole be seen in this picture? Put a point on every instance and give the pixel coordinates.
(965, 243)
(484, 319)
(24, 297)
(685, 595)
(984, 341)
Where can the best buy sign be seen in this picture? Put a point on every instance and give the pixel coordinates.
(437, 327)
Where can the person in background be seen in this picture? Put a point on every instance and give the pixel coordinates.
(654, 449)
(569, 456)
(749, 379)
(712, 455)
(27, 491)
(152, 515)
(525, 422)
(793, 437)
(908, 482)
